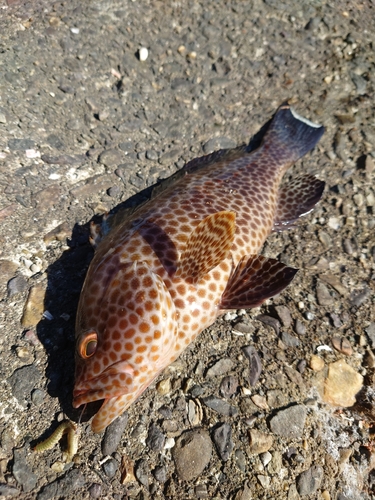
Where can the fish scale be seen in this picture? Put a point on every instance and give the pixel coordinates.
(165, 272)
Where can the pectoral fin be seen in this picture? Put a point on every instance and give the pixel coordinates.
(208, 245)
(297, 198)
(254, 280)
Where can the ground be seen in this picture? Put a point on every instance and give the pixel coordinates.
(88, 121)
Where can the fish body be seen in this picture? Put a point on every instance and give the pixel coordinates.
(165, 272)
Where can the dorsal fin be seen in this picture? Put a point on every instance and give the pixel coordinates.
(296, 198)
(207, 246)
(254, 280)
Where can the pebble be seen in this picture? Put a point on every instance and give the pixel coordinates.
(22, 382)
(113, 433)
(63, 487)
(16, 285)
(240, 460)
(265, 458)
(221, 367)
(316, 363)
(110, 467)
(228, 386)
(259, 442)
(160, 474)
(141, 472)
(114, 191)
(309, 481)
(34, 307)
(59, 233)
(164, 386)
(74, 160)
(155, 438)
(217, 143)
(110, 158)
(289, 340)
(95, 490)
(152, 155)
(270, 321)
(260, 401)
(21, 144)
(220, 406)
(255, 364)
(192, 454)
(222, 438)
(370, 331)
(284, 315)
(22, 471)
(9, 491)
(289, 423)
(309, 315)
(357, 298)
(342, 345)
(341, 384)
(143, 54)
(265, 481)
(299, 327)
(323, 296)
(37, 396)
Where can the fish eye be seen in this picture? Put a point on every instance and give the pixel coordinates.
(87, 346)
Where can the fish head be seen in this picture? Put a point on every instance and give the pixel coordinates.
(126, 334)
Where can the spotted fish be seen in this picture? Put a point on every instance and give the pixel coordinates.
(166, 271)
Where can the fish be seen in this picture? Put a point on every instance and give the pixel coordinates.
(164, 272)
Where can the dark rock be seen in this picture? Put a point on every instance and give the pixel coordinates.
(240, 460)
(192, 453)
(76, 160)
(55, 141)
(228, 386)
(270, 321)
(322, 294)
(111, 157)
(220, 406)
(220, 367)
(289, 423)
(309, 481)
(357, 298)
(63, 487)
(289, 340)
(255, 364)
(141, 472)
(126, 147)
(17, 285)
(22, 381)
(222, 437)
(7, 490)
(299, 327)
(21, 144)
(22, 471)
(284, 315)
(110, 467)
(96, 490)
(114, 191)
(113, 433)
(160, 474)
(155, 439)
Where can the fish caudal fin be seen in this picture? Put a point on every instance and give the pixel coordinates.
(295, 199)
(289, 136)
(254, 280)
(207, 246)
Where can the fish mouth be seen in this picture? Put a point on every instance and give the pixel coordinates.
(113, 382)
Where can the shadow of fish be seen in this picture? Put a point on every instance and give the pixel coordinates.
(165, 272)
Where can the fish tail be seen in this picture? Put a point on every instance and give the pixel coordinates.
(289, 136)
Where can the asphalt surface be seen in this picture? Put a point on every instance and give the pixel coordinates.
(86, 125)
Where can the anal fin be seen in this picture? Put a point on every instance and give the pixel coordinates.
(297, 198)
(254, 280)
(207, 246)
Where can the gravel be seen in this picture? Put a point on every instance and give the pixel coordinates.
(88, 122)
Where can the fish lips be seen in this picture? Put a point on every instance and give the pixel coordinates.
(114, 381)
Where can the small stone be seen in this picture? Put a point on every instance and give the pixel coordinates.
(192, 454)
(265, 458)
(265, 481)
(169, 156)
(221, 367)
(22, 471)
(47, 198)
(301, 365)
(343, 345)
(95, 490)
(21, 144)
(141, 472)
(111, 157)
(23, 381)
(201, 491)
(299, 327)
(309, 315)
(259, 442)
(260, 401)
(37, 396)
(64, 486)
(323, 295)
(143, 54)
(316, 363)
(255, 364)
(357, 298)
(113, 433)
(289, 340)
(334, 223)
(160, 474)
(164, 386)
(270, 321)
(342, 384)
(3, 118)
(151, 155)
(16, 285)
(222, 437)
(220, 406)
(243, 327)
(110, 467)
(228, 386)
(55, 141)
(284, 315)
(309, 481)
(63, 159)
(289, 423)
(240, 460)
(34, 307)
(218, 143)
(155, 438)
(59, 233)
(114, 191)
